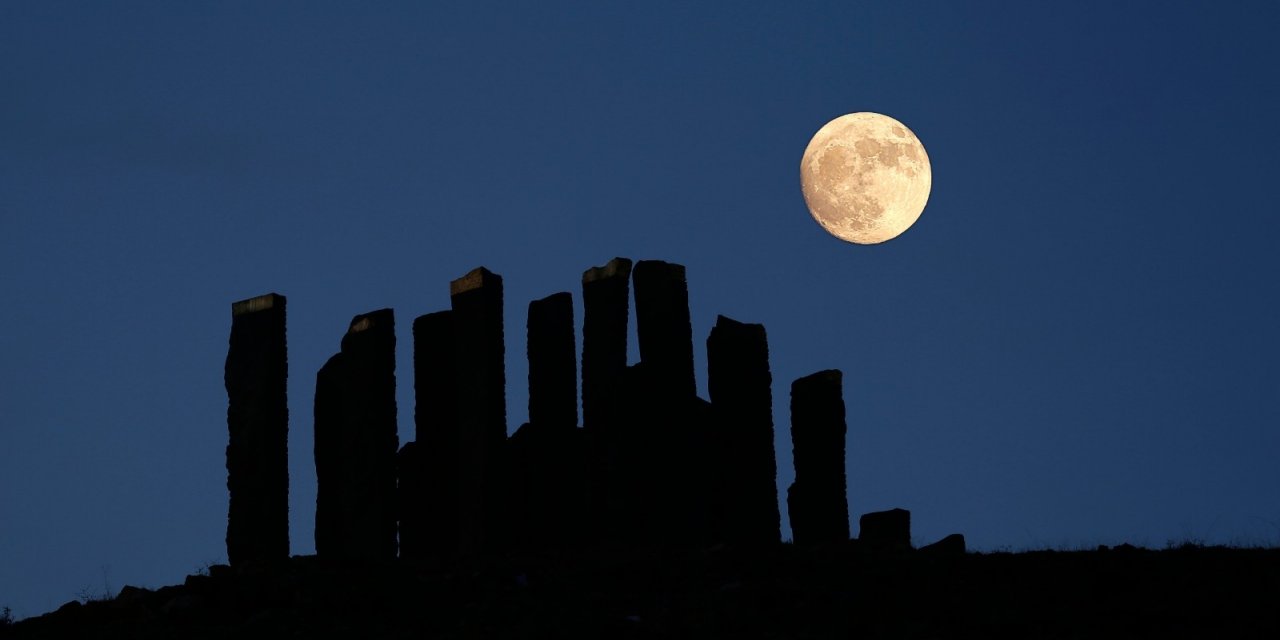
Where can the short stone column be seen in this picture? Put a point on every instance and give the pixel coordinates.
(816, 500)
(553, 367)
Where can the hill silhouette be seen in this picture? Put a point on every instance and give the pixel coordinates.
(782, 591)
(658, 516)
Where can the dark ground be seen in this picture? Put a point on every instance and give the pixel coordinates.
(781, 592)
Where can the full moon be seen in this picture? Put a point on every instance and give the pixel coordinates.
(865, 177)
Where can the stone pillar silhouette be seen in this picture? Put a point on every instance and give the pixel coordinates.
(331, 465)
(435, 385)
(666, 445)
(256, 376)
(429, 468)
(663, 327)
(745, 481)
(553, 368)
(482, 409)
(816, 500)
(356, 443)
(605, 294)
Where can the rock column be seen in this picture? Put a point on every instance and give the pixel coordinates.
(553, 368)
(745, 478)
(255, 376)
(481, 405)
(605, 294)
(547, 497)
(663, 326)
(356, 442)
(428, 466)
(666, 449)
(816, 500)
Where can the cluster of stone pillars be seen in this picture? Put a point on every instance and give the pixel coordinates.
(652, 464)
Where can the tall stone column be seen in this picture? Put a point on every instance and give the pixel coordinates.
(482, 408)
(606, 303)
(356, 443)
(745, 480)
(546, 494)
(817, 501)
(605, 295)
(668, 434)
(553, 367)
(663, 326)
(256, 376)
(429, 465)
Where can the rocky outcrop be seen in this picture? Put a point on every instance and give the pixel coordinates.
(256, 376)
(952, 545)
(816, 501)
(886, 530)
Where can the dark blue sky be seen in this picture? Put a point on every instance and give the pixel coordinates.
(1076, 344)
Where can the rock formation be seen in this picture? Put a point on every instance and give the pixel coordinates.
(652, 465)
(256, 376)
(744, 481)
(886, 530)
(356, 443)
(816, 500)
(952, 545)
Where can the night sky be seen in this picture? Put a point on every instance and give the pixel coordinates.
(1075, 345)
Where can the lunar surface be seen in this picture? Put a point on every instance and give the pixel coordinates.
(865, 177)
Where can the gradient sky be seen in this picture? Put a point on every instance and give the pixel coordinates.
(1076, 344)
